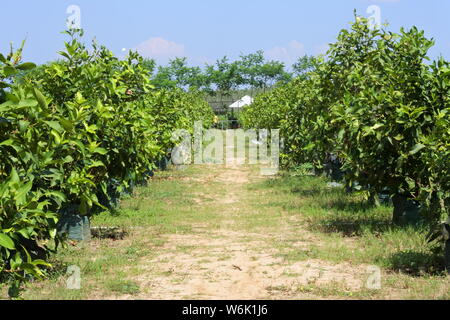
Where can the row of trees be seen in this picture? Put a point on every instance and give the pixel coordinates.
(379, 106)
(252, 71)
(74, 135)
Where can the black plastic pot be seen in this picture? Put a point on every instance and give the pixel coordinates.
(162, 163)
(406, 211)
(447, 248)
(333, 168)
(73, 225)
(447, 256)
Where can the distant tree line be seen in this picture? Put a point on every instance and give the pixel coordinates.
(252, 71)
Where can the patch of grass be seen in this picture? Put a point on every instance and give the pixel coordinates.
(337, 290)
(417, 263)
(164, 206)
(297, 218)
(279, 288)
(123, 287)
(185, 249)
(335, 215)
(298, 254)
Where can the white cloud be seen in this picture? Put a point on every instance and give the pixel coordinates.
(161, 49)
(287, 54)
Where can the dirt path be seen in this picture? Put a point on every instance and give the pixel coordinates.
(220, 259)
(216, 232)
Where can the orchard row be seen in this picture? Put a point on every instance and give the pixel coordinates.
(75, 134)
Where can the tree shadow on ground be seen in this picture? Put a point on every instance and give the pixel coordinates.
(417, 263)
(349, 205)
(352, 227)
(315, 191)
(351, 217)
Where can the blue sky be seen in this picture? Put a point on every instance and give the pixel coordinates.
(204, 30)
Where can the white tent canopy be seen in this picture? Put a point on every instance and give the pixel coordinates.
(244, 101)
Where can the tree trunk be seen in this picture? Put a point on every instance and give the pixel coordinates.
(399, 203)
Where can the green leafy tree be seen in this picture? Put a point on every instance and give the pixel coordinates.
(178, 74)
(77, 133)
(271, 73)
(149, 65)
(377, 105)
(225, 76)
(304, 65)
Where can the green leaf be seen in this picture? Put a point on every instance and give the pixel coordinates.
(25, 233)
(14, 177)
(57, 137)
(377, 126)
(64, 54)
(68, 159)
(40, 262)
(54, 125)
(101, 151)
(8, 142)
(40, 98)
(84, 209)
(6, 242)
(57, 194)
(79, 98)
(27, 103)
(97, 164)
(80, 145)
(22, 192)
(23, 125)
(417, 148)
(9, 71)
(12, 97)
(52, 233)
(26, 66)
(67, 124)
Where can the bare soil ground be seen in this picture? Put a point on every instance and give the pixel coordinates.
(232, 263)
(215, 232)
